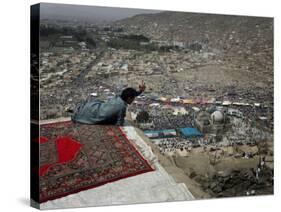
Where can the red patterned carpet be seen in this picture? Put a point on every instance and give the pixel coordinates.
(75, 157)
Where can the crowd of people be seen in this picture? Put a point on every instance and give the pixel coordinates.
(172, 144)
(172, 121)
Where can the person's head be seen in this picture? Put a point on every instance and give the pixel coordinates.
(128, 95)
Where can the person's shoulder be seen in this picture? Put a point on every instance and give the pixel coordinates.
(115, 100)
(121, 101)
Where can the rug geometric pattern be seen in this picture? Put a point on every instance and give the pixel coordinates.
(76, 157)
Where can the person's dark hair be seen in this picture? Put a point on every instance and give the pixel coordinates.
(129, 93)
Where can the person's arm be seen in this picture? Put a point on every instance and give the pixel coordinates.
(141, 87)
(121, 117)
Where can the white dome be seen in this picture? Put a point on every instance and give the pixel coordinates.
(217, 116)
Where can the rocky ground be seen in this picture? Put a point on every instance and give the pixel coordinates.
(243, 182)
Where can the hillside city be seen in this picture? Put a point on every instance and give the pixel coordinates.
(209, 95)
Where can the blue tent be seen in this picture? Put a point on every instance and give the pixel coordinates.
(190, 132)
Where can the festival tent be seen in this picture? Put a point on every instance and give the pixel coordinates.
(160, 133)
(190, 132)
